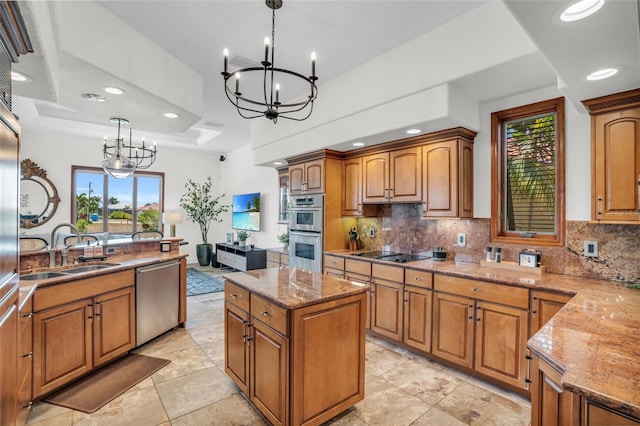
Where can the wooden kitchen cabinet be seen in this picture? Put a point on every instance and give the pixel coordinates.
(333, 265)
(447, 179)
(418, 300)
(393, 176)
(486, 319)
(283, 195)
(352, 190)
(544, 305)
(615, 157)
(72, 327)
(551, 404)
(594, 414)
(359, 271)
(387, 299)
(277, 258)
(307, 177)
(25, 358)
(9, 354)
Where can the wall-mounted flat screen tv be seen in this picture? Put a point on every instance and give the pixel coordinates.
(246, 212)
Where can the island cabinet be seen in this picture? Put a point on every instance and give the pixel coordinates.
(615, 157)
(482, 326)
(544, 305)
(447, 178)
(79, 325)
(393, 176)
(299, 363)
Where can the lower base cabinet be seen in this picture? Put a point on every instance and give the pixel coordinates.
(298, 366)
(9, 355)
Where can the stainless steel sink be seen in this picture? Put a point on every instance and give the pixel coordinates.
(86, 268)
(42, 276)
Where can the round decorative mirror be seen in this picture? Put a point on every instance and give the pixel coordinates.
(38, 195)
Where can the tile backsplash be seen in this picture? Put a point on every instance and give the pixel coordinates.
(401, 227)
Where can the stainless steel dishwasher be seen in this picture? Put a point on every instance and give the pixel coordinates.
(157, 299)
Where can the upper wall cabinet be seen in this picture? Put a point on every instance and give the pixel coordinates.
(447, 178)
(306, 178)
(393, 176)
(615, 157)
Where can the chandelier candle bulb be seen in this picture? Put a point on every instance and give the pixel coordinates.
(277, 93)
(225, 52)
(313, 64)
(237, 84)
(266, 50)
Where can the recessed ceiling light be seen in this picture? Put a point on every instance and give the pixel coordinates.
(277, 163)
(580, 10)
(602, 74)
(171, 115)
(358, 144)
(94, 97)
(18, 76)
(114, 90)
(413, 131)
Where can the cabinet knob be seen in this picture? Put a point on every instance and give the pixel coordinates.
(29, 315)
(417, 279)
(234, 296)
(27, 355)
(265, 313)
(476, 289)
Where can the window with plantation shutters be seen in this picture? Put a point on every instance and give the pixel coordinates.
(528, 174)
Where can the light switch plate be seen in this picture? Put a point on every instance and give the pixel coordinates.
(591, 249)
(462, 239)
(372, 232)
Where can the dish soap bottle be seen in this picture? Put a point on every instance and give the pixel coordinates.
(88, 251)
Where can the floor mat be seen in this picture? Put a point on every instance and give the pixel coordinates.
(201, 283)
(90, 393)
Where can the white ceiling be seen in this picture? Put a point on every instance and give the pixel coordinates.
(167, 55)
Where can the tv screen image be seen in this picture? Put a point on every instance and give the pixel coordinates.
(246, 212)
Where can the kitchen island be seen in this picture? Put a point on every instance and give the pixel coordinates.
(295, 342)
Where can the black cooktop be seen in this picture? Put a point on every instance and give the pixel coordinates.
(391, 256)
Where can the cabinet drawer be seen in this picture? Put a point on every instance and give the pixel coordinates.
(481, 290)
(60, 294)
(334, 262)
(387, 272)
(273, 256)
(272, 315)
(357, 266)
(284, 259)
(272, 264)
(363, 279)
(236, 295)
(416, 278)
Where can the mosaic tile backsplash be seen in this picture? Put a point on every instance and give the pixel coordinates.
(400, 227)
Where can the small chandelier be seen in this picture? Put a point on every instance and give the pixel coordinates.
(120, 160)
(267, 104)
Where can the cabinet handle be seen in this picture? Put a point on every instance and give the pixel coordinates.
(470, 312)
(27, 355)
(417, 279)
(28, 406)
(553, 386)
(234, 296)
(29, 315)
(265, 313)
(599, 210)
(476, 289)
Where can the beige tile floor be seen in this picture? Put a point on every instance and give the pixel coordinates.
(401, 388)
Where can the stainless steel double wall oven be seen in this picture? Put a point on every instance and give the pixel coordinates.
(305, 232)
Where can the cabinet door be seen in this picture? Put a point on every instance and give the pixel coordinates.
(114, 331)
(440, 179)
(296, 178)
(283, 196)
(352, 187)
(236, 355)
(25, 361)
(595, 415)
(269, 366)
(453, 319)
(551, 405)
(9, 360)
(61, 345)
(544, 306)
(501, 343)
(616, 163)
(405, 175)
(417, 317)
(375, 178)
(314, 176)
(386, 309)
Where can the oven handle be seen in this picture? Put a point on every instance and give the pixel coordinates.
(305, 233)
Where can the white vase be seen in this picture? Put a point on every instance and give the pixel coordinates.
(241, 243)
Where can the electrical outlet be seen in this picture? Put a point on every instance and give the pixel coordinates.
(591, 249)
(110, 250)
(372, 232)
(462, 239)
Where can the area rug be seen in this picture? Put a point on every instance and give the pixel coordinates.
(91, 393)
(201, 283)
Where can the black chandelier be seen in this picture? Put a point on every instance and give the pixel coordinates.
(120, 160)
(267, 104)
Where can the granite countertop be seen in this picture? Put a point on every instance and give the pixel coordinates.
(592, 340)
(293, 288)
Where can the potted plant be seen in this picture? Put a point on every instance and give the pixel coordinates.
(242, 237)
(284, 239)
(202, 208)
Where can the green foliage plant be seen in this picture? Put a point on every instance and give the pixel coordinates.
(201, 206)
(243, 235)
(82, 225)
(284, 238)
(149, 220)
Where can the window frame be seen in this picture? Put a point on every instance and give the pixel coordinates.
(498, 234)
(75, 169)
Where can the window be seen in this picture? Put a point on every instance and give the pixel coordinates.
(132, 204)
(527, 174)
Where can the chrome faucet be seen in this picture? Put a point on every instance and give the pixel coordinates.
(52, 244)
